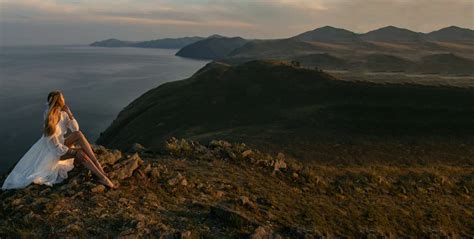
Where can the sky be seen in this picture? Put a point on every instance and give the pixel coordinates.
(51, 22)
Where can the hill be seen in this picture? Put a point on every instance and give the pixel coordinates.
(112, 43)
(393, 34)
(214, 47)
(452, 34)
(273, 49)
(361, 51)
(328, 34)
(224, 190)
(166, 43)
(275, 105)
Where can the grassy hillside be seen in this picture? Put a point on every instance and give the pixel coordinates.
(224, 190)
(275, 105)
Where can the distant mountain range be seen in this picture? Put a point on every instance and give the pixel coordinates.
(166, 43)
(386, 49)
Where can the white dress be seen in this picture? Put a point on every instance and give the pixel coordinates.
(41, 164)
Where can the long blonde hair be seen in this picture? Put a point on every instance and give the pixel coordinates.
(56, 103)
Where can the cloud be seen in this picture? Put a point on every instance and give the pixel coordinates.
(247, 18)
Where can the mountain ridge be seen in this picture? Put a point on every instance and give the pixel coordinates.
(164, 43)
(270, 103)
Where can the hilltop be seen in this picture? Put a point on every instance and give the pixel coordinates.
(275, 105)
(213, 47)
(224, 190)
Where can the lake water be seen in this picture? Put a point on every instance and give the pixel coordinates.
(97, 84)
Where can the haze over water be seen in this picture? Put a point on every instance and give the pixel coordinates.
(97, 84)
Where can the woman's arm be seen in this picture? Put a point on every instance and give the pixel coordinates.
(72, 122)
(58, 147)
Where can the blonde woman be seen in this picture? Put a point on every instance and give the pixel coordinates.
(42, 163)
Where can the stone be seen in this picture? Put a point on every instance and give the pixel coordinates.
(230, 216)
(220, 144)
(279, 162)
(178, 179)
(262, 232)
(137, 148)
(184, 182)
(245, 201)
(98, 189)
(219, 194)
(109, 157)
(155, 172)
(186, 235)
(16, 202)
(247, 153)
(126, 167)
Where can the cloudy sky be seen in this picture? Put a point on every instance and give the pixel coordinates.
(84, 21)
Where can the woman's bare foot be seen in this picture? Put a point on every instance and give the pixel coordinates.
(108, 183)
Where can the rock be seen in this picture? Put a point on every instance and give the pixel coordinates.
(31, 217)
(16, 202)
(246, 202)
(279, 162)
(79, 194)
(137, 148)
(219, 194)
(219, 144)
(181, 148)
(264, 233)
(109, 157)
(186, 235)
(98, 189)
(247, 153)
(155, 173)
(178, 179)
(126, 167)
(184, 182)
(230, 216)
(147, 169)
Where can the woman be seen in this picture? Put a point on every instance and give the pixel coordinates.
(42, 164)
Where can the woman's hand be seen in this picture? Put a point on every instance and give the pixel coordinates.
(68, 111)
(72, 152)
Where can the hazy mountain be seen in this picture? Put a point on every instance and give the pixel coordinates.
(267, 104)
(167, 43)
(112, 43)
(214, 47)
(393, 34)
(328, 34)
(452, 34)
(275, 49)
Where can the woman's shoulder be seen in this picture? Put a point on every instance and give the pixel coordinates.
(63, 114)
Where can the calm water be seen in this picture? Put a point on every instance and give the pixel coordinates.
(97, 84)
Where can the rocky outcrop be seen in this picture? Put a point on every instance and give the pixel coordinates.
(222, 190)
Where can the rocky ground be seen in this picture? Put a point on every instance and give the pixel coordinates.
(225, 190)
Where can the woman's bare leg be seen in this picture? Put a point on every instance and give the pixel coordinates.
(86, 161)
(79, 138)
